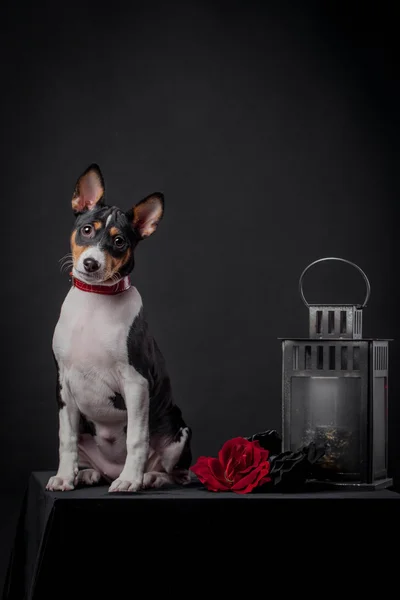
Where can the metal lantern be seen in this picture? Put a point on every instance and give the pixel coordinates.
(335, 393)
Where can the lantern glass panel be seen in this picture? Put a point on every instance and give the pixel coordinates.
(327, 410)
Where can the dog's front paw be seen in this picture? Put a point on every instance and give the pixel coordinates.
(60, 484)
(125, 485)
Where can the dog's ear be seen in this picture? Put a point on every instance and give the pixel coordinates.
(89, 190)
(146, 214)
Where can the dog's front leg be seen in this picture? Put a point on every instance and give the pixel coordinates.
(136, 396)
(68, 448)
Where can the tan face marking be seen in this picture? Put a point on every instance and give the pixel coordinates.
(114, 265)
(97, 225)
(114, 231)
(76, 248)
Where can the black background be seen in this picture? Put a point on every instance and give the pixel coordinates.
(272, 128)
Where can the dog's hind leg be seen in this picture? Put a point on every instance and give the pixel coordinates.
(173, 461)
(176, 454)
(157, 479)
(87, 477)
(92, 465)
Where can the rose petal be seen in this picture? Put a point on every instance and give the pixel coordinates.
(216, 468)
(237, 456)
(204, 472)
(252, 479)
(217, 473)
(265, 479)
(255, 456)
(237, 463)
(200, 468)
(239, 474)
(248, 479)
(247, 456)
(231, 448)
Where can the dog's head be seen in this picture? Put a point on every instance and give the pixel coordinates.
(104, 237)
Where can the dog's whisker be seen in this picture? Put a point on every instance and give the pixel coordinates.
(68, 255)
(68, 263)
(66, 260)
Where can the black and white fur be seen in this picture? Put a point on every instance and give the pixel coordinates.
(117, 416)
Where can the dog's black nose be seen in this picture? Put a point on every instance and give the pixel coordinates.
(91, 265)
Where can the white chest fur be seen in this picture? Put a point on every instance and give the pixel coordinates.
(93, 328)
(90, 346)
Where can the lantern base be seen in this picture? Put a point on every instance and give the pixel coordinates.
(380, 484)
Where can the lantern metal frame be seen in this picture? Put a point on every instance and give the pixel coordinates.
(335, 351)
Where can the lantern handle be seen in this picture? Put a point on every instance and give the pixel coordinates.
(341, 260)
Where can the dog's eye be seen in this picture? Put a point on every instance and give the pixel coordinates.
(119, 242)
(87, 231)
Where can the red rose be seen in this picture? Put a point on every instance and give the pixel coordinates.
(240, 467)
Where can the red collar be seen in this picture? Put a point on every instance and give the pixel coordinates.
(109, 290)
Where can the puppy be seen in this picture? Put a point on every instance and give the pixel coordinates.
(117, 416)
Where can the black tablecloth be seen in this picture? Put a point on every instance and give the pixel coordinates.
(165, 535)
